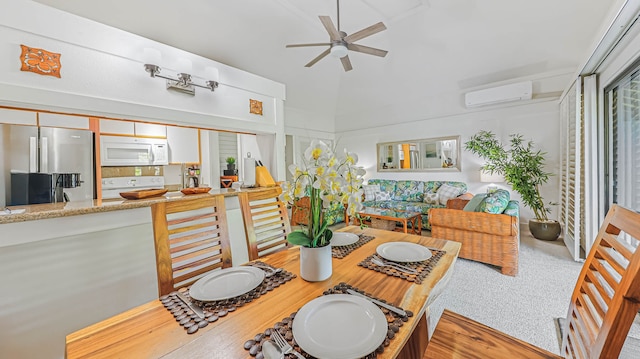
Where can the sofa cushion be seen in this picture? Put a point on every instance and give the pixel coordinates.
(495, 202)
(446, 192)
(474, 203)
(461, 185)
(388, 186)
(431, 186)
(382, 196)
(411, 191)
(370, 191)
(431, 198)
(513, 208)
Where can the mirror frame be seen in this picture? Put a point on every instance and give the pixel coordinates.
(455, 168)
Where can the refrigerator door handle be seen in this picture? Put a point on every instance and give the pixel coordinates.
(44, 155)
(33, 154)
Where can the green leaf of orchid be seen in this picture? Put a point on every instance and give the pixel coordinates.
(299, 238)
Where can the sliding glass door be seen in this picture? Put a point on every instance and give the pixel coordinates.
(622, 151)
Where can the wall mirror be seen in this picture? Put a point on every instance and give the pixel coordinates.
(429, 154)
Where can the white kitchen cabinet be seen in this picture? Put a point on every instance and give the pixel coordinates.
(18, 117)
(150, 129)
(183, 144)
(116, 127)
(65, 121)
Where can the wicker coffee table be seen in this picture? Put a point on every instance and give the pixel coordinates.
(387, 218)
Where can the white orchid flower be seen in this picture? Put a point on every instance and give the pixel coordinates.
(328, 179)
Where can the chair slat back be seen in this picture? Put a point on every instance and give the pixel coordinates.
(266, 221)
(191, 239)
(606, 298)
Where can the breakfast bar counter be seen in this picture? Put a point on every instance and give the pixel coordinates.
(64, 209)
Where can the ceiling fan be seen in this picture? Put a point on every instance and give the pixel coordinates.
(341, 43)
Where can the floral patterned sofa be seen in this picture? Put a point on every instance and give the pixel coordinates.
(413, 196)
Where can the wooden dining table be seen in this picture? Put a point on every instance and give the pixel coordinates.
(151, 331)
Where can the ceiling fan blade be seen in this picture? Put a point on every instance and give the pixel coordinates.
(334, 35)
(367, 50)
(346, 63)
(318, 58)
(305, 45)
(373, 29)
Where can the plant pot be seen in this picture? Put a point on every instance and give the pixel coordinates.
(545, 230)
(315, 263)
(231, 167)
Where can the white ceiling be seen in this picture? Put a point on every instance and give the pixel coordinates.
(435, 46)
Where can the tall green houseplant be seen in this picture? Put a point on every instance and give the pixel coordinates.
(520, 164)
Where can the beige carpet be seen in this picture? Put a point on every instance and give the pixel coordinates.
(525, 306)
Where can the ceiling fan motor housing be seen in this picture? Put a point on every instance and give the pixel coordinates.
(339, 49)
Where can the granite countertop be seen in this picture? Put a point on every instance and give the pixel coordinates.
(64, 209)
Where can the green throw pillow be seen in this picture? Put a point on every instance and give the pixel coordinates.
(474, 203)
(495, 202)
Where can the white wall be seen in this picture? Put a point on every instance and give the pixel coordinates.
(307, 124)
(535, 121)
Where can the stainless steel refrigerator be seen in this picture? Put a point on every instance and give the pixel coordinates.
(35, 156)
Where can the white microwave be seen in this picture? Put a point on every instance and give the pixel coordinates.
(133, 151)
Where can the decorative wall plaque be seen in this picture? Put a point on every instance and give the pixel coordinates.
(40, 61)
(255, 107)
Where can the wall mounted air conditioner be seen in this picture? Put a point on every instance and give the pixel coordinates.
(513, 92)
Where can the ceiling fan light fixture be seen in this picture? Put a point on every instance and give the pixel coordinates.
(339, 51)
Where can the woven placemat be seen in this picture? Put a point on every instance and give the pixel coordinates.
(423, 268)
(343, 251)
(220, 308)
(284, 327)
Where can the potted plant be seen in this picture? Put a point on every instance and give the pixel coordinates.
(325, 178)
(231, 164)
(522, 168)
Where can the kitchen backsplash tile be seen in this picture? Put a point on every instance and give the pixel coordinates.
(173, 187)
(128, 171)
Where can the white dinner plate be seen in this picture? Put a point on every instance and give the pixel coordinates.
(226, 283)
(403, 252)
(343, 239)
(339, 326)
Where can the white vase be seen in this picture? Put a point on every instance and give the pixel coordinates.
(315, 263)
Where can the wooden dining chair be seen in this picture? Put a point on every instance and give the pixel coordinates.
(191, 239)
(266, 221)
(603, 306)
